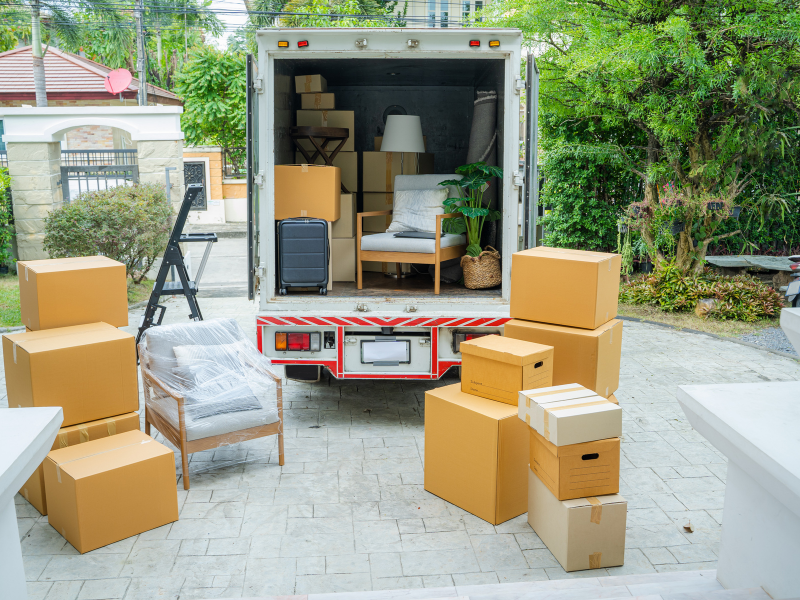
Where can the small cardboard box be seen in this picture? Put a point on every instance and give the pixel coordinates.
(378, 141)
(584, 533)
(573, 288)
(343, 259)
(318, 101)
(590, 357)
(576, 471)
(346, 161)
(60, 292)
(87, 370)
(345, 227)
(497, 367)
(312, 191)
(328, 118)
(476, 454)
(380, 168)
(529, 398)
(107, 490)
(377, 201)
(313, 84)
(577, 421)
(33, 490)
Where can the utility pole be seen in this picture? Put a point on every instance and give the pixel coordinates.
(141, 63)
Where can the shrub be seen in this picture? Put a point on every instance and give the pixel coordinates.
(739, 298)
(130, 224)
(6, 219)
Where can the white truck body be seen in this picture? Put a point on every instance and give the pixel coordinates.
(435, 64)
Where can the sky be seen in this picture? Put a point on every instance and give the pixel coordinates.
(231, 21)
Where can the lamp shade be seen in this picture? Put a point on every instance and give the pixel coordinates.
(403, 133)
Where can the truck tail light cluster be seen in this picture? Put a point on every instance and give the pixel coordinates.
(297, 342)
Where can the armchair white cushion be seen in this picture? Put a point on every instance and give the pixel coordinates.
(416, 210)
(386, 242)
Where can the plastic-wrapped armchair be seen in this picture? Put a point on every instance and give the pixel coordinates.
(207, 386)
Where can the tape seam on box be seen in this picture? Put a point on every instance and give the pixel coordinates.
(111, 426)
(84, 435)
(595, 560)
(308, 83)
(63, 439)
(597, 510)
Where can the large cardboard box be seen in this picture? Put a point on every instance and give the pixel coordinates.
(380, 168)
(577, 421)
(328, 118)
(305, 84)
(377, 201)
(346, 161)
(497, 367)
(107, 490)
(345, 227)
(528, 399)
(60, 292)
(476, 454)
(564, 287)
(576, 471)
(312, 191)
(590, 357)
(584, 533)
(33, 490)
(343, 259)
(87, 370)
(318, 101)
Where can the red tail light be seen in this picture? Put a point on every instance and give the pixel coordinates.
(302, 44)
(299, 341)
(474, 43)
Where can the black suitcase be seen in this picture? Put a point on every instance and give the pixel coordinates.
(303, 254)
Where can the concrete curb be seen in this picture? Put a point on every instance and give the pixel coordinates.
(713, 335)
(12, 329)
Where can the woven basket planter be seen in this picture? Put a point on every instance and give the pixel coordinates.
(482, 271)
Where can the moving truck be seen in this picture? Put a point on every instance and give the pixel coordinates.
(390, 329)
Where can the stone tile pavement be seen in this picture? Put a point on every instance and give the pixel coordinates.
(348, 511)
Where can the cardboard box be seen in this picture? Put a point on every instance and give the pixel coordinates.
(378, 141)
(329, 118)
(376, 201)
(346, 161)
(343, 259)
(318, 101)
(311, 191)
(613, 398)
(576, 471)
(380, 168)
(564, 287)
(527, 399)
(304, 84)
(584, 533)
(107, 490)
(497, 367)
(589, 357)
(60, 292)
(345, 227)
(476, 454)
(33, 490)
(577, 421)
(88, 370)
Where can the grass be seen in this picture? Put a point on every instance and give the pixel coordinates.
(689, 320)
(9, 298)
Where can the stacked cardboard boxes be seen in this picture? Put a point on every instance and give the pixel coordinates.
(72, 355)
(476, 449)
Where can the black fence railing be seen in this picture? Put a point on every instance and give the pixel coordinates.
(81, 158)
(234, 163)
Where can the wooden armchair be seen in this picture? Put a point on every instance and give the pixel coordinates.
(170, 412)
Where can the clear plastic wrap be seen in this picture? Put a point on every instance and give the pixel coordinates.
(206, 385)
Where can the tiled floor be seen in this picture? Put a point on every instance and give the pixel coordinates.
(348, 511)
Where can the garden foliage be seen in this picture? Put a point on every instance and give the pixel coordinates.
(739, 298)
(6, 219)
(130, 224)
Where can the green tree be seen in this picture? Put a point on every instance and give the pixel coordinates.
(212, 85)
(704, 81)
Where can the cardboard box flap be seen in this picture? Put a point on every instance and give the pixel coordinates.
(571, 255)
(594, 501)
(589, 333)
(488, 408)
(528, 397)
(55, 265)
(512, 351)
(67, 337)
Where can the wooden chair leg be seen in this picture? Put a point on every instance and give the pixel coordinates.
(399, 267)
(359, 274)
(280, 446)
(437, 271)
(146, 422)
(185, 466)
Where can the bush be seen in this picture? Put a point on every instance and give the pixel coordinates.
(130, 224)
(740, 298)
(6, 219)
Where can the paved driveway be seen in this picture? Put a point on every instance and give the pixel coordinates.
(348, 511)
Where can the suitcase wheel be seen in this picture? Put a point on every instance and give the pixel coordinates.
(323, 291)
(283, 291)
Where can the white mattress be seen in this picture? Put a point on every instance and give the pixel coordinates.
(386, 242)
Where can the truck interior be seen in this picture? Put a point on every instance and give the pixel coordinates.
(442, 92)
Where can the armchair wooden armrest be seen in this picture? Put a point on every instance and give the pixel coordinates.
(149, 377)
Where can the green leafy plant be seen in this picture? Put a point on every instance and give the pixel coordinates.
(6, 219)
(130, 224)
(474, 214)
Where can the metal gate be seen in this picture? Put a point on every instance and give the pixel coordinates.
(195, 172)
(90, 170)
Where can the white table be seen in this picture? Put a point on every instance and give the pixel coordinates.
(757, 426)
(26, 436)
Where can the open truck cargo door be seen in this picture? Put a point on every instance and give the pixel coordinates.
(531, 195)
(255, 179)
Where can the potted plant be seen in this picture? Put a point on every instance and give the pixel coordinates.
(481, 267)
